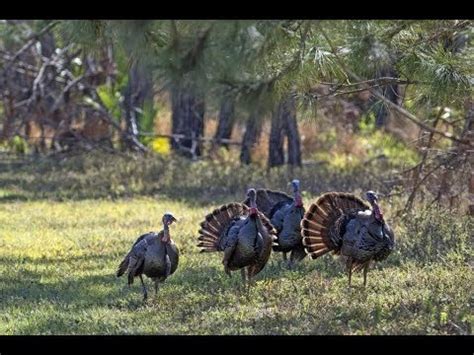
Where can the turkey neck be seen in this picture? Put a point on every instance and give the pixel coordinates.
(298, 200)
(166, 233)
(253, 208)
(377, 212)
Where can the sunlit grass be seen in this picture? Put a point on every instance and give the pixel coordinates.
(58, 259)
(66, 224)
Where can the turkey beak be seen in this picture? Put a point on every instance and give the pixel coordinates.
(173, 220)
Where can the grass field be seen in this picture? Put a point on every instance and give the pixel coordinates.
(58, 258)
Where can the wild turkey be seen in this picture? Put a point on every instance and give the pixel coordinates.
(243, 233)
(347, 225)
(285, 214)
(153, 254)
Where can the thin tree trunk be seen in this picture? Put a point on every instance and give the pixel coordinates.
(198, 109)
(137, 92)
(48, 44)
(46, 102)
(226, 122)
(417, 172)
(253, 129)
(391, 92)
(294, 141)
(471, 195)
(284, 124)
(468, 133)
(187, 119)
(8, 113)
(457, 44)
(276, 153)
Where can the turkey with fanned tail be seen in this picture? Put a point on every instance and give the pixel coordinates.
(242, 233)
(285, 214)
(344, 223)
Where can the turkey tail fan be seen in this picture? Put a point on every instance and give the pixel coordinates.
(216, 223)
(266, 251)
(322, 224)
(268, 201)
(122, 267)
(268, 225)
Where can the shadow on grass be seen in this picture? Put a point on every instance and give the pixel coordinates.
(101, 175)
(106, 176)
(23, 284)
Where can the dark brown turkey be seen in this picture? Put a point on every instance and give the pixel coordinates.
(153, 254)
(347, 225)
(243, 233)
(285, 214)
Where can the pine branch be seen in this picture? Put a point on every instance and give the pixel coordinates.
(396, 107)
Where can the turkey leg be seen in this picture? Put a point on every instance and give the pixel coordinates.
(249, 279)
(243, 274)
(349, 267)
(366, 268)
(227, 254)
(157, 286)
(145, 293)
(297, 255)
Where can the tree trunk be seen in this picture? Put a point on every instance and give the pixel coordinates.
(48, 44)
(391, 92)
(456, 44)
(188, 120)
(253, 129)
(294, 141)
(8, 113)
(284, 124)
(137, 92)
(471, 195)
(468, 134)
(276, 153)
(226, 122)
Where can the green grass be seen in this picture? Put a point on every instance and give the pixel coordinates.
(60, 245)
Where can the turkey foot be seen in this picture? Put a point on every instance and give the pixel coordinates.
(290, 264)
(157, 286)
(227, 270)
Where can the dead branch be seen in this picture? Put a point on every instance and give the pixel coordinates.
(31, 40)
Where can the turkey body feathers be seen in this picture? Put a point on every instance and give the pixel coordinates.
(221, 227)
(214, 233)
(126, 261)
(345, 224)
(285, 217)
(246, 239)
(287, 223)
(325, 219)
(150, 256)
